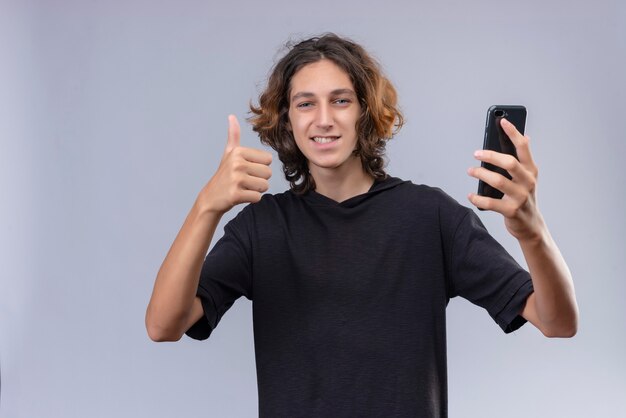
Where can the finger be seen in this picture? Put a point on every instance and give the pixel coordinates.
(256, 184)
(250, 196)
(497, 181)
(509, 163)
(487, 203)
(259, 170)
(234, 132)
(520, 141)
(256, 156)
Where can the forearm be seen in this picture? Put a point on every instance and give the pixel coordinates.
(177, 280)
(556, 309)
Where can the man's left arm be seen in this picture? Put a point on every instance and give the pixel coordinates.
(552, 307)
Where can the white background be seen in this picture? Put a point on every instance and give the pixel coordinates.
(113, 117)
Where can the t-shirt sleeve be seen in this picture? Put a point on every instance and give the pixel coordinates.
(225, 276)
(483, 272)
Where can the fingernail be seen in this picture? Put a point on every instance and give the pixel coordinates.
(478, 153)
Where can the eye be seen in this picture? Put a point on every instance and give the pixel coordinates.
(304, 105)
(342, 101)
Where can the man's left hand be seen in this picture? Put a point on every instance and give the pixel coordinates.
(519, 203)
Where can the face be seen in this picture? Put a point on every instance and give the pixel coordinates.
(323, 112)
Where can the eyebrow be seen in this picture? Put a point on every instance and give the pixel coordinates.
(335, 92)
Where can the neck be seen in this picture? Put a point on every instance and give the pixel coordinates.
(343, 182)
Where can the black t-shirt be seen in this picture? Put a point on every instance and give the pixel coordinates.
(349, 299)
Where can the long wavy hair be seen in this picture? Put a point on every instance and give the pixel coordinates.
(380, 117)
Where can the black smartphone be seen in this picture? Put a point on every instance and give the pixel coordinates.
(497, 140)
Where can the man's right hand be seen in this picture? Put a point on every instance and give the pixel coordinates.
(242, 176)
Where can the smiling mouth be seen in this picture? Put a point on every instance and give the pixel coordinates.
(324, 139)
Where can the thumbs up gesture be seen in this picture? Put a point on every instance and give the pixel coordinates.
(242, 176)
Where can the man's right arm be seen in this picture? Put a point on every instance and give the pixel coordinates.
(173, 307)
(242, 177)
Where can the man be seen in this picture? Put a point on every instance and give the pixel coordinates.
(350, 271)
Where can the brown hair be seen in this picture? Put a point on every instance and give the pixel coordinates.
(376, 95)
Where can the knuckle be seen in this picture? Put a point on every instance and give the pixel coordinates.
(523, 141)
(509, 163)
(237, 154)
(233, 196)
(510, 212)
(238, 180)
(499, 182)
(515, 209)
(239, 165)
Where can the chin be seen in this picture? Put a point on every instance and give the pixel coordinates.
(330, 165)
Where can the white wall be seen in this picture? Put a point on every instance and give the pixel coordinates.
(113, 116)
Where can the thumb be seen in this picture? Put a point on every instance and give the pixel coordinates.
(233, 134)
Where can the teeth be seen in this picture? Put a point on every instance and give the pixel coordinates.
(322, 140)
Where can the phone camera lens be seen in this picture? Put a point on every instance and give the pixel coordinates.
(499, 113)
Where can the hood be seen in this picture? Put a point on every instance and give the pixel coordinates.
(378, 187)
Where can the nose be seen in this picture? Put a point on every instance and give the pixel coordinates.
(324, 117)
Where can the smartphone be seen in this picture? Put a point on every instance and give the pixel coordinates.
(497, 140)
